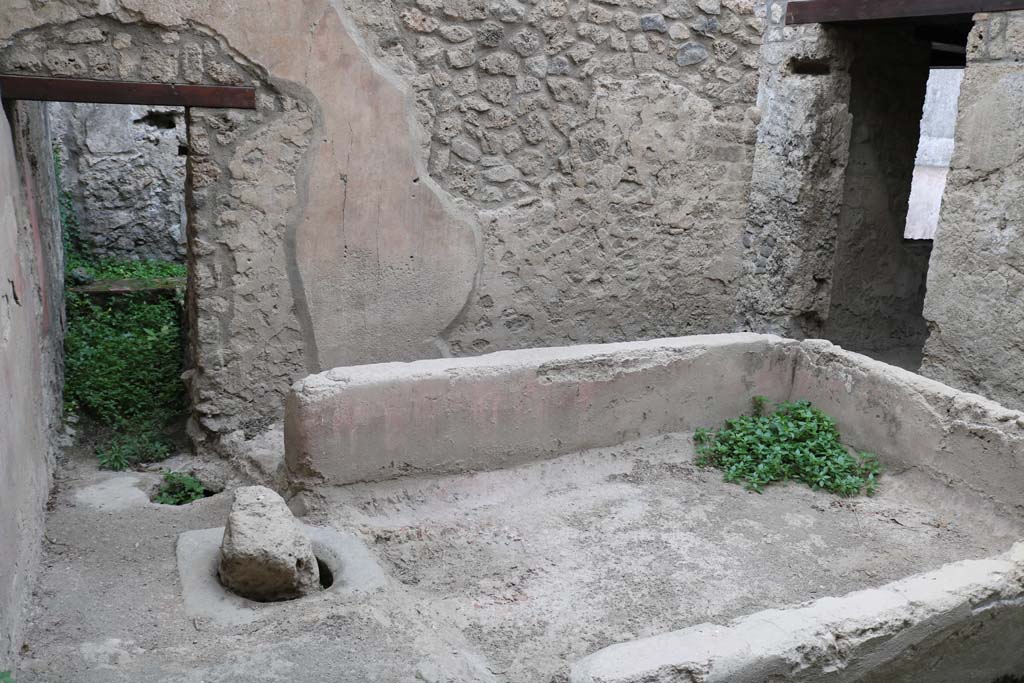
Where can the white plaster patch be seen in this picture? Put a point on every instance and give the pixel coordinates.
(119, 492)
(111, 653)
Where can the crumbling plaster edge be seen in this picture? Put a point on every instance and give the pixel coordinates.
(459, 210)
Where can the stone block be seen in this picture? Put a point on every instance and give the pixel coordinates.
(264, 555)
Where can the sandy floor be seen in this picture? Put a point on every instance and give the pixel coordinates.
(503, 576)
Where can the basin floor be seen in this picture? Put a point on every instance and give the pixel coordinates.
(545, 563)
(505, 576)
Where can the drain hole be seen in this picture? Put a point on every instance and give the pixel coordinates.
(326, 576)
(182, 488)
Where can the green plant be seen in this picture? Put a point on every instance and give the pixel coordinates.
(144, 443)
(123, 359)
(797, 441)
(179, 489)
(5, 677)
(146, 270)
(74, 253)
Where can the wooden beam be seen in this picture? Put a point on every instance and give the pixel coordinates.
(131, 286)
(833, 11)
(125, 92)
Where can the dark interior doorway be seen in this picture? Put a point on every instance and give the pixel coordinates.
(879, 277)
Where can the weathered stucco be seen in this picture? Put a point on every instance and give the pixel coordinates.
(123, 168)
(381, 421)
(957, 623)
(503, 409)
(31, 308)
(825, 254)
(975, 301)
(802, 147)
(601, 155)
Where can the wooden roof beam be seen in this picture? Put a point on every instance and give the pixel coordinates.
(125, 92)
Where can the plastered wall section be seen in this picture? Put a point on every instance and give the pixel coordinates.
(975, 301)
(507, 408)
(386, 420)
(30, 341)
(960, 622)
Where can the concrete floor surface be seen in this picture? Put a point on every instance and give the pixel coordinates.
(505, 576)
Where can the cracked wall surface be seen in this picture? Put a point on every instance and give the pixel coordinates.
(975, 301)
(605, 146)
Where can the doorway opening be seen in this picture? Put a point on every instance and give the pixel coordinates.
(120, 176)
(901, 79)
(934, 152)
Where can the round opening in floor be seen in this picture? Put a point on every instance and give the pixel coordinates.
(326, 575)
(182, 488)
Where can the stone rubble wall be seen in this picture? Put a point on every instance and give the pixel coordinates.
(425, 178)
(975, 301)
(437, 177)
(798, 177)
(878, 280)
(606, 147)
(124, 166)
(824, 253)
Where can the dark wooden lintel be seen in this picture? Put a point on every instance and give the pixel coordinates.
(833, 11)
(131, 286)
(124, 92)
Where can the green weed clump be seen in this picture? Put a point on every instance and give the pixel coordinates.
(797, 441)
(179, 489)
(140, 444)
(123, 358)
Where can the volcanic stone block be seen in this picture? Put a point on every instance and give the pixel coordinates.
(264, 555)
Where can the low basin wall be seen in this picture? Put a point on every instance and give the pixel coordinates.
(963, 622)
(373, 422)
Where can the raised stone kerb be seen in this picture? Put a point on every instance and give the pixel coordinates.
(961, 622)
